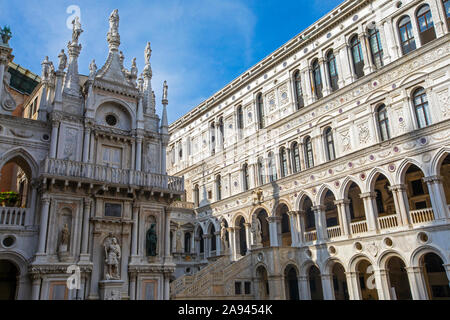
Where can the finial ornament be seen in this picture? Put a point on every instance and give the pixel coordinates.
(113, 36)
(92, 70)
(165, 89)
(76, 30)
(62, 60)
(148, 53)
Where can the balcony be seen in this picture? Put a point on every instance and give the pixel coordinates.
(422, 215)
(358, 227)
(89, 172)
(12, 216)
(388, 222)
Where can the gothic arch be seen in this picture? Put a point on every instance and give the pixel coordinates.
(261, 264)
(346, 185)
(437, 160)
(22, 154)
(421, 251)
(322, 191)
(301, 199)
(304, 268)
(17, 259)
(384, 257)
(127, 109)
(278, 205)
(236, 217)
(258, 208)
(403, 167)
(353, 262)
(329, 264)
(291, 263)
(373, 176)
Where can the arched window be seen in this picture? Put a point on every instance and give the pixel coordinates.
(261, 171)
(408, 43)
(420, 102)
(260, 106)
(218, 187)
(298, 90)
(187, 242)
(272, 167)
(240, 121)
(329, 144)
(196, 196)
(283, 161)
(426, 26)
(212, 134)
(245, 177)
(375, 47)
(295, 157)
(383, 123)
(446, 4)
(221, 137)
(309, 157)
(332, 70)
(357, 56)
(317, 79)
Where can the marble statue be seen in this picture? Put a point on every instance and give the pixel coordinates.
(257, 232)
(148, 53)
(92, 70)
(151, 240)
(76, 30)
(258, 196)
(178, 238)
(133, 70)
(112, 260)
(223, 235)
(45, 69)
(165, 88)
(65, 238)
(114, 22)
(62, 60)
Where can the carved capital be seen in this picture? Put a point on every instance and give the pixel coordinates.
(432, 179)
(370, 195)
(319, 207)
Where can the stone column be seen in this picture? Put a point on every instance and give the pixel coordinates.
(294, 228)
(138, 153)
(437, 196)
(301, 154)
(87, 133)
(166, 287)
(340, 71)
(32, 204)
(54, 141)
(306, 79)
(219, 250)
(289, 161)
(35, 287)
(384, 44)
(273, 230)
(43, 225)
(368, 62)
(417, 283)
(371, 214)
(85, 237)
(382, 283)
(321, 224)
(353, 285)
(401, 204)
(248, 232)
(303, 284)
(391, 42)
(232, 244)
(342, 206)
(132, 277)
(327, 286)
(301, 226)
(324, 75)
(440, 26)
(134, 231)
(167, 255)
(207, 245)
(347, 63)
(91, 151)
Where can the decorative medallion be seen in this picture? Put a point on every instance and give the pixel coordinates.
(362, 176)
(391, 167)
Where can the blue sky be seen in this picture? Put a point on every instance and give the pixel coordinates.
(198, 45)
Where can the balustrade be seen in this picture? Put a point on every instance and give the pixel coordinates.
(422, 215)
(334, 232)
(358, 227)
(13, 216)
(389, 221)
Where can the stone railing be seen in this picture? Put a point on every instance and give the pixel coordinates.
(12, 216)
(334, 232)
(422, 215)
(389, 221)
(358, 227)
(310, 236)
(197, 283)
(90, 171)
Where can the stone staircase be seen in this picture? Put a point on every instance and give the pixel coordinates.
(215, 281)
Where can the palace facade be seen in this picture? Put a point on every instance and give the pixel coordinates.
(323, 172)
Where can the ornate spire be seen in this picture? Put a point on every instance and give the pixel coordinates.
(113, 36)
(76, 30)
(72, 82)
(149, 105)
(92, 70)
(164, 121)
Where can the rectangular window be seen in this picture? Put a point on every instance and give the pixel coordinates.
(237, 288)
(112, 157)
(247, 286)
(209, 194)
(113, 210)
